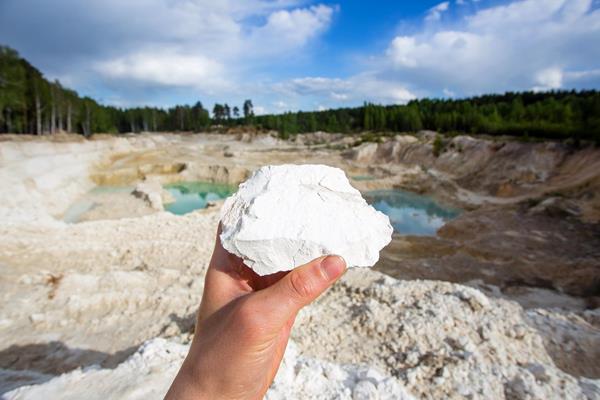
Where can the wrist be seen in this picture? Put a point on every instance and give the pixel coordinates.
(191, 384)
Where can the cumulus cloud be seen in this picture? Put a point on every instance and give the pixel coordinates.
(527, 44)
(285, 30)
(215, 48)
(208, 46)
(164, 68)
(521, 45)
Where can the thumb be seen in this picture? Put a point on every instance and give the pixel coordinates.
(301, 286)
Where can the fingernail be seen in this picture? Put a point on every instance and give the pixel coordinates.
(333, 266)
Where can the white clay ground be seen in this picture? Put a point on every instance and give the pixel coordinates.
(104, 309)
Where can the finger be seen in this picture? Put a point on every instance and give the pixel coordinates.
(227, 278)
(300, 287)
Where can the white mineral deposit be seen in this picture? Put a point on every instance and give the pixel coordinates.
(284, 216)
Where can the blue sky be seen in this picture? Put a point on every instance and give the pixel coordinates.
(300, 54)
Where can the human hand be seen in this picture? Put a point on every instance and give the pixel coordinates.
(243, 326)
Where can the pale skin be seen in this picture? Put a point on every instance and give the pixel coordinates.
(243, 326)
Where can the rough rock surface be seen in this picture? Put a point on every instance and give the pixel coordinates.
(425, 339)
(441, 340)
(148, 373)
(498, 172)
(288, 215)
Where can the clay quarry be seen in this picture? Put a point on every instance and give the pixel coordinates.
(489, 289)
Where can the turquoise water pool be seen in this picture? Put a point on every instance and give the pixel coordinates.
(410, 213)
(190, 196)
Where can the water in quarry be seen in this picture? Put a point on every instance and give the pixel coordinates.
(115, 202)
(190, 196)
(410, 213)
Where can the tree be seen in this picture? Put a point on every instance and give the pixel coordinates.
(218, 112)
(86, 124)
(332, 124)
(227, 111)
(248, 111)
(412, 120)
(312, 125)
(200, 117)
(367, 117)
(38, 113)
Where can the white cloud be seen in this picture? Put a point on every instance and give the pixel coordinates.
(127, 49)
(339, 96)
(518, 46)
(440, 50)
(403, 50)
(583, 75)
(550, 78)
(435, 13)
(211, 47)
(165, 68)
(286, 30)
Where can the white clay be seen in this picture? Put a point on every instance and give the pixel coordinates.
(285, 216)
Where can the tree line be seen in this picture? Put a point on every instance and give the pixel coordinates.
(31, 104)
(551, 115)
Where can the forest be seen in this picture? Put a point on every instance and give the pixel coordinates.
(29, 103)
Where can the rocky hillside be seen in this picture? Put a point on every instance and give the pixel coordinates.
(497, 171)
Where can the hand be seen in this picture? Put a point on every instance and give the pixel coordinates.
(243, 326)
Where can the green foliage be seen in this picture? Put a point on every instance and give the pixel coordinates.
(529, 115)
(284, 134)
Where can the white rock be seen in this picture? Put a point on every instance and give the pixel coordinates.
(287, 215)
(148, 373)
(152, 192)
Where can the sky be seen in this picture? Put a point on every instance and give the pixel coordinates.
(302, 54)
